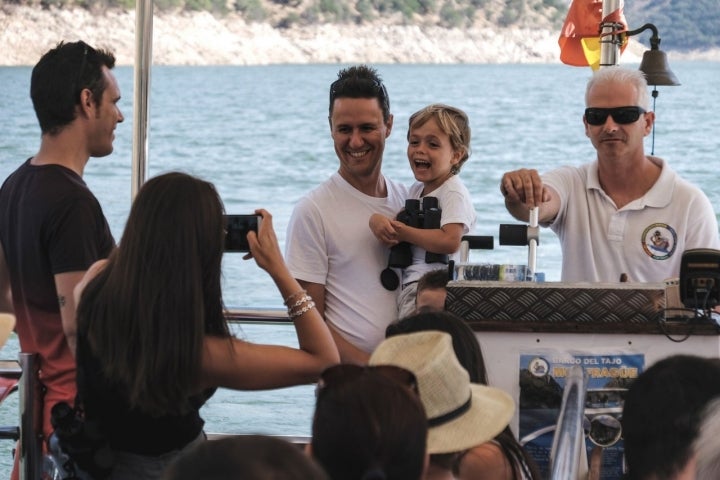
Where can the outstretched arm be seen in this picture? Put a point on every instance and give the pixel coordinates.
(437, 240)
(243, 365)
(349, 353)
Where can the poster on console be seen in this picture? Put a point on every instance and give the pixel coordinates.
(542, 379)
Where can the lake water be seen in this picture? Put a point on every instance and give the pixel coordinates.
(261, 135)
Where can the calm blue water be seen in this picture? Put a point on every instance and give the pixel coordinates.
(261, 135)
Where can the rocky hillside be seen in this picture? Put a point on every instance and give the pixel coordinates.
(182, 37)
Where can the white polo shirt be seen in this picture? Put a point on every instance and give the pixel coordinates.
(644, 239)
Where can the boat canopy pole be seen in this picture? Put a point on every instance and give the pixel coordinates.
(143, 61)
(568, 441)
(609, 40)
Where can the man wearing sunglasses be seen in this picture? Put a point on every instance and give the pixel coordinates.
(626, 215)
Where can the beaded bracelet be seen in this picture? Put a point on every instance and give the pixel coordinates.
(299, 313)
(290, 297)
(303, 299)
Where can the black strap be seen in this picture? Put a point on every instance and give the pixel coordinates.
(451, 415)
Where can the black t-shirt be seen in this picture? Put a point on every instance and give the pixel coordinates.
(50, 223)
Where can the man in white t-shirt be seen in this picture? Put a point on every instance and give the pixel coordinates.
(627, 215)
(329, 247)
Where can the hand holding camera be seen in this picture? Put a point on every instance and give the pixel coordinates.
(237, 228)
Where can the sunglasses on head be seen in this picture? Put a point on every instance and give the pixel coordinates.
(379, 87)
(621, 115)
(346, 372)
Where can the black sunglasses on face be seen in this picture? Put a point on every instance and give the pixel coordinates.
(620, 115)
(346, 372)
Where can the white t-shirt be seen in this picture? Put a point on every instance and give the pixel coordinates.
(644, 239)
(329, 242)
(456, 204)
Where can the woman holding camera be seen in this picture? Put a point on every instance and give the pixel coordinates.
(153, 342)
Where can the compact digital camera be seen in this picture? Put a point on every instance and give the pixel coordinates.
(237, 228)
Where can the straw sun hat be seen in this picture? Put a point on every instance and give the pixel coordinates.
(460, 414)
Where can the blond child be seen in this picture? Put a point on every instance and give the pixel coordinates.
(438, 145)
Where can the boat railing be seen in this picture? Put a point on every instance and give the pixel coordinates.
(257, 315)
(29, 431)
(568, 440)
(298, 440)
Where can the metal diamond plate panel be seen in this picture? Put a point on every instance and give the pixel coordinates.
(555, 302)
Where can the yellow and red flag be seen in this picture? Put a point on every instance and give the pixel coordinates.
(580, 37)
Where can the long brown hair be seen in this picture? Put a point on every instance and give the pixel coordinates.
(146, 314)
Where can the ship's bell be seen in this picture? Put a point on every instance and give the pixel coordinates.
(655, 66)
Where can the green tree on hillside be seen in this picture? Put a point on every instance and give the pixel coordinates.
(681, 24)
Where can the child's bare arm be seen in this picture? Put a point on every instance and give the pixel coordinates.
(437, 240)
(383, 229)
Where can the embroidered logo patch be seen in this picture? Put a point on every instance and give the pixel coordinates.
(659, 241)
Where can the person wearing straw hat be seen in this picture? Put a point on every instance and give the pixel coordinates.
(502, 458)
(460, 414)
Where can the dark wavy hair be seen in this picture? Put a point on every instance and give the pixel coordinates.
(59, 77)
(146, 314)
(368, 428)
(662, 413)
(250, 457)
(360, 81)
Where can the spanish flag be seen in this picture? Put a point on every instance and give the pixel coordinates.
(580, 37)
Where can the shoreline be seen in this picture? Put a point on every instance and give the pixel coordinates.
(199, 38)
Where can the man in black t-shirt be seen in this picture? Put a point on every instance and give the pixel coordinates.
(52, 227)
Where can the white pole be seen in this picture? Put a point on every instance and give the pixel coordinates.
(609, 42)
(141, 111)
(533, 234)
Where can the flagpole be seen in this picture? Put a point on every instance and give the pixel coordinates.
(609, 40)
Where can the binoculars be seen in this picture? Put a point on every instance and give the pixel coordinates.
(416, 215)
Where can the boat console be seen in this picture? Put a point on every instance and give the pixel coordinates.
(534, 334)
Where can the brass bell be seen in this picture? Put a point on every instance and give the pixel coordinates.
(655, 66)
